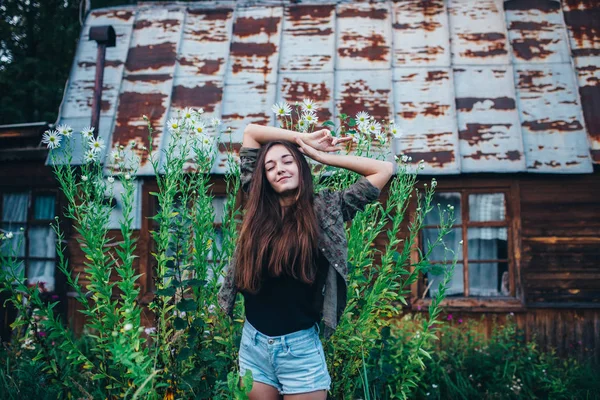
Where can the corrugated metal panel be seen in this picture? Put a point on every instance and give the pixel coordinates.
(426, 117)
(148, 83)
(420, 33)
(554, 136)
(365, 91)
(295, 87)
(204, 49)
(244, 104)
(364, 36)
(488, 121)
(478, 32)
(583, 22)
(308, 42)
(536, 31)
(254, 51)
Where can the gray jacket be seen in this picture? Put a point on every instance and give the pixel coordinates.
(333, 209)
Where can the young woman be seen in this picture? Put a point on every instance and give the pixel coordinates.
(290, 262)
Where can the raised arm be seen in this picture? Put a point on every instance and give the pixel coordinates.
(257, 135)
(376, 171)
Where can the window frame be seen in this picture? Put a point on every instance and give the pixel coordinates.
(31, 222)
(484, 185)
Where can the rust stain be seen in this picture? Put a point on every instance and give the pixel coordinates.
(296, 91)
(124, 15)
(427, 26)
(356, 97)
(496, 50)
(595, 155)
(483, 37)
(107, 64)
(510, 155)
(545, 6)
(131, 106)
(165, 24)
(308, 13)
(227, 147)
(526, 80)
(311, 32)
(476, 133)
(433, 158)
(152, 78)
(409, 114)
(590, 103)
(252, 49)
(499, 103)
(249, 26)
(205, 67)
(530, 26)
(528, 49)
(153, 56)
(378, 13)
(206, 96)
(259, 118)
(435, 110)
(583, 19)
(373, 47)
(436, 76)
(216, 14)
(104, 105)
(560, 126)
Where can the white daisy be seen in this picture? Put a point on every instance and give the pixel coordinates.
(381, 137)
(354, 136)
(281, 109)
(115, 155)
(97, 145)
(90, 156)
(200, 111)
(187, 113)
(173, 125)
(65, 130)
(308, 105)
(110, 179)
(215, 122)
(87, 132)
(394, 130)
(302, 125)
(51, 139)
(127, 177)
(374, 128)
(310, 118)
(128, 327)
(362, 118)
(84, 178)
(9, 235)
(199, 127)
(132, 144)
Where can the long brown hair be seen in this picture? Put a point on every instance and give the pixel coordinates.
(273, 242)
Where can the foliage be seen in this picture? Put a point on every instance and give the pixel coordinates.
(190, 351)
(467, 365)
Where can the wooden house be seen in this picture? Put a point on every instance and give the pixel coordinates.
(501, 99)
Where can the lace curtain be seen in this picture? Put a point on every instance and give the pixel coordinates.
(487, 243)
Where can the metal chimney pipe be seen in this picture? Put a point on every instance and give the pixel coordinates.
(105, 37)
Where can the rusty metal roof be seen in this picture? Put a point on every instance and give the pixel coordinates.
(475, 86)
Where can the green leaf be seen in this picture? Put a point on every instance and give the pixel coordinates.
(180, 323)
(436, 269)
(194, 282)
(184, 354)
(153, 194)
(343, 116)
(328, 123)
(169, 292)
(186, 305)
(352, 122)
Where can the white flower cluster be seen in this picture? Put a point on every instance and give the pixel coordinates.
(53, 138)
(307, 116)
(192, 122)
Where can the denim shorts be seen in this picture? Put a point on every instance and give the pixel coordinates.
(292, 363)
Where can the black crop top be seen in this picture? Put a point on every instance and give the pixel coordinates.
(284, 305)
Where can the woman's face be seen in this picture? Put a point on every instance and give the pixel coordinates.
(281, 169)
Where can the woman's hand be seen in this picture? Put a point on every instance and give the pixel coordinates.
(322, 140)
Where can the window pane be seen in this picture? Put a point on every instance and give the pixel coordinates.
(456, 285)
(219, 205)
(14, 207)
(17, 243)
(451, 242)
(44, 207)
(41, 271)
(42, 242)
(487, 244)
(487, 207)
(444, 200)
(489, 279)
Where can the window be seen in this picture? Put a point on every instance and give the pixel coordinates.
(27, 215)
(481, 223)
